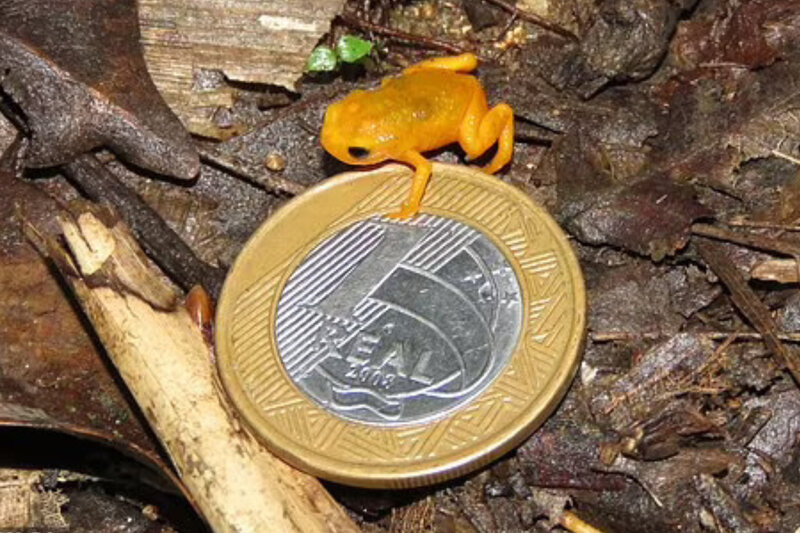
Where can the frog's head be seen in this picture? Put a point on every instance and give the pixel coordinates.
(352, 132)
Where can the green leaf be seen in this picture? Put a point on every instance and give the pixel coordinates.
(322, 59)
(352, 49)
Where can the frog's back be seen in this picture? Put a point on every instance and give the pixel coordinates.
(429, 104)
(438, 85)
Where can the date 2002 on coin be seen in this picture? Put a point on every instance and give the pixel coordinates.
(394, 353)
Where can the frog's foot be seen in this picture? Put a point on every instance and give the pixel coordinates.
(405, 212)
(422, 173)
(480, 133)
(460, 63)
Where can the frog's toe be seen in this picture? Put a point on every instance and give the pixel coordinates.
(405, 212)
(484, 168)
(494, 166)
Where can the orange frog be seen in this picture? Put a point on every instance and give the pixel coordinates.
(432, 104)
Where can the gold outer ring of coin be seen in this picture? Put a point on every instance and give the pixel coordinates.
(517, 402)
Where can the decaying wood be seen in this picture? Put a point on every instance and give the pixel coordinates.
(256, 42)
(23, 505)
(115, 260)
(16, 498)
(164, 361)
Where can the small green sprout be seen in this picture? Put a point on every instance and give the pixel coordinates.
(349, 49)
(322, 59)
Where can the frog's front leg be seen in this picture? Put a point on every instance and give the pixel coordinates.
(422, 173)
(460, 63)
(480, 129)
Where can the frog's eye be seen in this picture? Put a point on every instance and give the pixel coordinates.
(358, 152)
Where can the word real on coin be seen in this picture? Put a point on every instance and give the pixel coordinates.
(384, 352)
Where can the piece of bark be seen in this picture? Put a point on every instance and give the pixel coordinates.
(25, 505)
(255, 42)
(707, 138)
(480, 14)
(164, 361)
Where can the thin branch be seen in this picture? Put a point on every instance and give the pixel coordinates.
(749, 304)
(400, 36)
(759, 242)
(534, 19)
(572, 522)
(787, 157)
(746, 223)
(622, 336)
(159, 241)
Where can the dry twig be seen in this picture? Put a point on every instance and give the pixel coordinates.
(533, 19)
(749, 304)
(160, 242)
(399, 36)
(572, 522)
(747, 223)
(751, 240)
(624, 336)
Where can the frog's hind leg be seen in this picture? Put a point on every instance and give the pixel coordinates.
(460, 63)
(480, 129)
(422, 173)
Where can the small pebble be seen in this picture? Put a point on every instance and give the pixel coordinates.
(275, 162)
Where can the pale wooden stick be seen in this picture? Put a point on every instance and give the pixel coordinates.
(780, 270)
(164, 361)
(572, 522)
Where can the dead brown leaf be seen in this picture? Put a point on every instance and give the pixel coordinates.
(79, 78)
(745, 34)
(716, 124)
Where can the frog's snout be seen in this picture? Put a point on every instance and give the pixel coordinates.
(338, 139)
(330, 136)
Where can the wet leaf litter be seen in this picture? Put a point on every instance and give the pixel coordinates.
(657, 121)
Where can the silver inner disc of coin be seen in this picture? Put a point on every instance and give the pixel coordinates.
(399, 321)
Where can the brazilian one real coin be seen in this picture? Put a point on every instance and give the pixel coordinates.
(380, 352)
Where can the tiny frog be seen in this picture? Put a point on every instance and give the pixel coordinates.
(430, 105)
